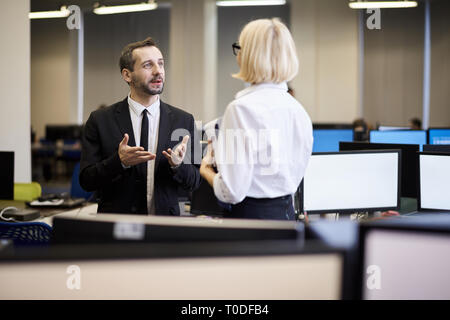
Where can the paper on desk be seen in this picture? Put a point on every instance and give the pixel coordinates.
(55, 202)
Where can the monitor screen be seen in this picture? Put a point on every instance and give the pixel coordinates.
(439, 136)
(6, 175)
(434, 175)
(64, 132)
(352, 182)
(327, 140)
(402, 136)
(400, 264)
(410, 162)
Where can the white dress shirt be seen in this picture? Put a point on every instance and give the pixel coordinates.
(264, 144)
(136, 110)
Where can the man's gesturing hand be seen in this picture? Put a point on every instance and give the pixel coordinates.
(176, 156)
(130, 156)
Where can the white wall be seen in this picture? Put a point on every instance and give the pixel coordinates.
(393, 67)
(231, 20)
(326, 36)
(440, 64)
(50, 74)
(193, 57)
(104, 38)
(15, 85)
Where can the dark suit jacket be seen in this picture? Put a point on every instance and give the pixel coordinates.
(121, 190)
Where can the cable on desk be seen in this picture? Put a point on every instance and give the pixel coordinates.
(8, 219)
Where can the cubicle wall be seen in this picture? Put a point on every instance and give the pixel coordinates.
(405, 259)
(269, 270)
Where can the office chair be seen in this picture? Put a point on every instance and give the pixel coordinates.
(76, 191)
(26, 233)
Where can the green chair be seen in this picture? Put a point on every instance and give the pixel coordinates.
(27, 191)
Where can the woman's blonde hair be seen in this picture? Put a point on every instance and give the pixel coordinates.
(267, 52)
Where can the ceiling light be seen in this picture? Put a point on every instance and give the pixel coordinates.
(382, 4)
(126, 8)
(237, 3)
(64, 12)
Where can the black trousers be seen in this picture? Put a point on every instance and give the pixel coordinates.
(266, 208)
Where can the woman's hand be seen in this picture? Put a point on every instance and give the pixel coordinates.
(206, 167)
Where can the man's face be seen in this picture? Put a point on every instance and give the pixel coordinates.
(148, 75)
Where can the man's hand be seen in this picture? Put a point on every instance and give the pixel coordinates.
(176, 156)
(130, 156)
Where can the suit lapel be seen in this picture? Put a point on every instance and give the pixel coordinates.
(124, 120)
(164, 131)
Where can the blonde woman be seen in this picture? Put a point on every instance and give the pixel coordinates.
(265, 139)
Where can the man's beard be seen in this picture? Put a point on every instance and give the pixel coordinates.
(146, 89)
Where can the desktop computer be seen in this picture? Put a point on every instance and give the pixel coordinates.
(439, 136)
(410, 159)
(119, 228)
(352, 181)
(399, 136)
(434, 182)
(6, 175)
(327, 140)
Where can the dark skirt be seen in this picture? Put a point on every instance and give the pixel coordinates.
(265, 208)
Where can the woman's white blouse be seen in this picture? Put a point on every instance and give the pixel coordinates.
(264, 144)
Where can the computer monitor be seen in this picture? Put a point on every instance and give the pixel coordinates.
(332, 126)
(55, 132)
(184, 271)
(410, 158)
(439, 136)
(327, 140)
(436, 148)
(351, 181)
(390, 128)
(405, 259)
(119, 228)
(434, 181)
(399, 136)
(6, 175)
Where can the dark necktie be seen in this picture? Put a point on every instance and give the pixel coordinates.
(144, 142)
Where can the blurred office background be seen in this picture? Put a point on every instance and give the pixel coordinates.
(52, 75)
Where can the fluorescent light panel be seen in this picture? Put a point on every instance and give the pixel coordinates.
(49, 14)
(240, 3)
(382, 4)
(126, 8)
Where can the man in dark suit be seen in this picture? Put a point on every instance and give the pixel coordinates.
(132, 154)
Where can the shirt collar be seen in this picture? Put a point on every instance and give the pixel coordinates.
(137, 108)
(265, 85)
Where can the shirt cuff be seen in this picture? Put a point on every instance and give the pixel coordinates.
(220, 190)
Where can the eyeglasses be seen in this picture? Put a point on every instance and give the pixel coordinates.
(236, 47)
